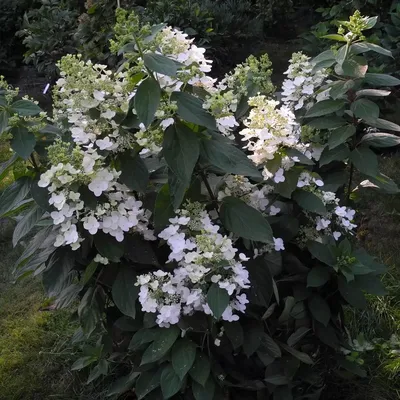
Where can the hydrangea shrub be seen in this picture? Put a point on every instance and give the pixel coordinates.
(203, 227)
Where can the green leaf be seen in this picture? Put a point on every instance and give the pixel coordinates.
(372, 93)
(338, 153)
(89, 271)
(383, 124)
(353, 367)
(303, 357)
(191, 109)
(108, 247)
(177, 188)
(323, 252)
(142, 337)
(340, 135)
(380, 140)
(147, 382)
(170, 382)
(354, 68)
(27, 223)
(83, 362)
(261, 282)
(100, 369)
(3, 121)
(245, 221)
(324, 107)
(271, 346)
(364, 47)
(365, 109)
(147, 100)
(371, 22)
(351, 293)
(285, 393)
(295, 337)
(327, 123)
(234, 332)
(320, 309)
(287, 187)
(303, 159)
(309, 201)
(381, 80)
(326, 55)
(89, 311)
(370, 284)
(228, 158)
(365, 160)
(13, 196)
(253, 334)
(277, 380)
(26, 108)
(23, 142)
(160, 347)
(205, 392)
(318, 276)
(41, 196)
(124, 291)
(200, 371)
(381, 182)
(6, 166)
(340, 88)
(183, 356)
(218, 300)
(336, 37)
(161, 64)
(134, 172)
(163, 209)
(181, 151)
(123, 384)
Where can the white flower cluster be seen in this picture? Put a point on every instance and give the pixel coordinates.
(302, 82)
(268, 131)
(204, 257)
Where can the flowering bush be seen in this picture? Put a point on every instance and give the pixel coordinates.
(203, 269)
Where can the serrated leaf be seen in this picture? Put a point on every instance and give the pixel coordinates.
(381, 80)
(323, 252)
(134, 172)
(365, 160)
(170, 382)
(228, 158)
(299, 334)
(380, 140)
(124, 291)
(320, 309)
(324, 107)
(191, 109)
(147, 382)
(373, 93)
(218, 300)
(309, 201)
(200, 371)
(318, 276)
(23, 142)
(338, 153)
(108, 247)
(181, 150)
(383, 124)
(163, 209)
(26, 108)
(338, 38)
(365, 109)
(234, 332)
(340, 136)
(27, 223)
(245, 221)
(327, 122)
(253, 334)
(183, 356)
(271, 346)
(351, 293)
(161, 64)
(261, 282)
(147, 100)
(161, 345)
(205, 392)
(303, 357)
